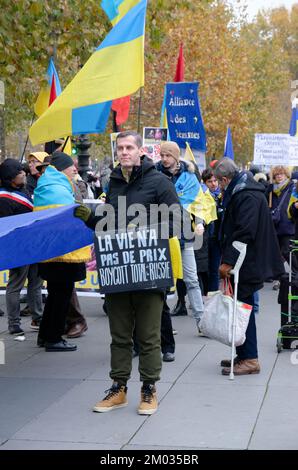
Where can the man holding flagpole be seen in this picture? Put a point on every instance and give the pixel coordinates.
(188, 189)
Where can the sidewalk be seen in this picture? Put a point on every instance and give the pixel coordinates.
(46, 399)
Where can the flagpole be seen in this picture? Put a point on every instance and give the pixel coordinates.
(25, 146)
(116, 128)
(140, 110)
(64, 145)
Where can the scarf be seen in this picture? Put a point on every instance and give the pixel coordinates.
(279, 187)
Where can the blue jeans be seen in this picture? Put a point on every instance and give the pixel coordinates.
(16, 282)
(256, 300)
(190, 278)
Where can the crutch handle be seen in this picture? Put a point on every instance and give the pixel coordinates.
(241, 247)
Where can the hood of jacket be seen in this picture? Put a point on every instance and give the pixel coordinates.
(53, 189)
(185, 166)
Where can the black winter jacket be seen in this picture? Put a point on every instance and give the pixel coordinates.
(146, 186)
(286, 225)
(247, 219)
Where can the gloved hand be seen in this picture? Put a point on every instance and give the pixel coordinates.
(82, 212)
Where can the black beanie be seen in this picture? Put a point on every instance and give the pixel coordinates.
(9, 169)
(61, 161)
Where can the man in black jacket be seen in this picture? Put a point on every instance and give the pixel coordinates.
(246, 218)
(137, 180)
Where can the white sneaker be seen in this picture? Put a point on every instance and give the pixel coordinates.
(200, 333)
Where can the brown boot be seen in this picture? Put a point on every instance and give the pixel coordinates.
(148, 404)
(116, 398)
(244, 367)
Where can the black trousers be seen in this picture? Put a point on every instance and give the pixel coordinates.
(167, 338)
(55, 310)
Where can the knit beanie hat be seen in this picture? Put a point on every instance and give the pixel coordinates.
(40, 156)
(9, 169)
(61, 161)
(171, 148)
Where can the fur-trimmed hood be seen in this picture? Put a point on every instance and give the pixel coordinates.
(185, 165)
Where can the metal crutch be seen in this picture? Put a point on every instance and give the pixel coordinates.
(241, 247)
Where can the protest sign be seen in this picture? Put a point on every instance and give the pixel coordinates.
(152, 151)
(275, 149)
(133, 260)
(154, 135)
(87, 288)
(113, 137)
(152, 138)
(184, 115)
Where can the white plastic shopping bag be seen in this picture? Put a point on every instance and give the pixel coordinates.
(217, 319)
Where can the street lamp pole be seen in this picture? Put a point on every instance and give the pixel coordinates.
(83, 145)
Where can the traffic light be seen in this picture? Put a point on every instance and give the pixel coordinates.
(74, 148)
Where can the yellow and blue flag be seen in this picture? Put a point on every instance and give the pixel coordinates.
(190, 193)
(193, 198)
(209, 213)
(116, 69)
(163, 115)
(116, 9)
(42, 235)
(188, 155)
(293, 198)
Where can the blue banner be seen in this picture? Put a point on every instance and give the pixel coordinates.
(184, 115)
(37, 236)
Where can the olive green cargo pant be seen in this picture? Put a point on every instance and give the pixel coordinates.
(140, 310)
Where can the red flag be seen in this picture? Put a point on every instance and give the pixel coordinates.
(179, 75)
(53, 92)
(121, 107)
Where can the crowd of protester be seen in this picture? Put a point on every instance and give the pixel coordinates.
(251, 206)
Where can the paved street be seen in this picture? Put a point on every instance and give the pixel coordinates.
(46, 399)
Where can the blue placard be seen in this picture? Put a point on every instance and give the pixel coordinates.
(184, 115)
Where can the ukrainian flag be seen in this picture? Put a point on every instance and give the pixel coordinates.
(116, 69)
(209, 213)
(293, 198)
(193, 199)
(116, 9)
(190, 193)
